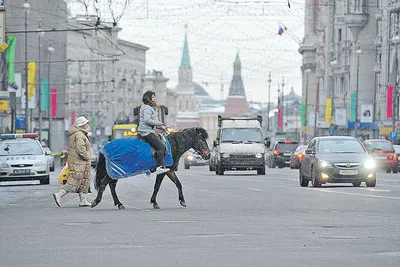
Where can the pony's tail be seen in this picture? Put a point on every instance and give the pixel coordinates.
(101, 171)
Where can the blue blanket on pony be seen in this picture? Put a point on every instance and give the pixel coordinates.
(127, 157)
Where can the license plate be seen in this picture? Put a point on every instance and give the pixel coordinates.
(22, 171)
(380, 157)
(287, 154)
(348, 172)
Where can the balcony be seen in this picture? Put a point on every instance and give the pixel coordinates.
(320, 73)
(357, 14)
(377, 67)
(346, 45)
(378, 40)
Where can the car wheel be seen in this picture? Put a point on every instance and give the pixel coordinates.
(45, 180)
(371, 183)
(219, 170)
(261, 171)
(52, 168)
(356, 184)
(395, 169)
(303, 181)
(388, 170)
(314, 179)
(187, 166)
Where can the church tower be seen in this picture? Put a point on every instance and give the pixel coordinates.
(236, 103)
(187, 115)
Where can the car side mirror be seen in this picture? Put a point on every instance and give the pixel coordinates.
(309, 152)
(215, 143)
(48, 153)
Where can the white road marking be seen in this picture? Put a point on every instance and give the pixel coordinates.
(354, 194)
(214, 235)
(255, 189)
(376, 190)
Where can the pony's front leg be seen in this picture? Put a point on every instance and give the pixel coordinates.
(157, 185)
(99, 197)
(113, 185)
(175, 180)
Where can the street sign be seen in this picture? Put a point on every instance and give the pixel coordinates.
(393, 136)
(331, 131)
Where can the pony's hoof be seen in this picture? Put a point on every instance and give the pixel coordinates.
(121, 206)
(94, 204)
(156, 207)
(183, 203)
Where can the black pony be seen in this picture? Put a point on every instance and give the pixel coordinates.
(180, 142)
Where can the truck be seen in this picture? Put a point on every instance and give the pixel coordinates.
(239, 145)
(127, 128)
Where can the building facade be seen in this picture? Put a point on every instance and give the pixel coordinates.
(106, 76)
(45, 15)
(339, 58)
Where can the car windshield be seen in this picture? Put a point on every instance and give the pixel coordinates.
(20, 147)
(301, 149)
(380, 145)
(287, 146)
(241, 135)
(334, 146)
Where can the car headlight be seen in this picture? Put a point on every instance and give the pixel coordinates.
(189, 157)
(259, 155)
(324, 164)
(370, 164)
(225, 155)
(3, 165)
(41, 164)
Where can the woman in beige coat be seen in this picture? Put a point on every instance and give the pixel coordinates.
(78, 163)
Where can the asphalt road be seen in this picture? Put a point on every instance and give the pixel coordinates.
(239, 219)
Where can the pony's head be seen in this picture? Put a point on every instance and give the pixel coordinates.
(199, 141)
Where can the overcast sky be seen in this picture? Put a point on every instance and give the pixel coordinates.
(217, 30)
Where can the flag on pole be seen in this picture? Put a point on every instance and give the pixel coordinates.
(31, 79)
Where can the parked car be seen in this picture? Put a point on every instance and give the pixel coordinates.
(22, 158)
(397, 151)
(337, 159)
(212, 161)
(297, 157)
(192, 159)
(50, 158)
(281, 153)
(384, 154)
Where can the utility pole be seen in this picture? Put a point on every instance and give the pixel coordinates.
(26, 6)
(50, 106)
(279, 120)
(283, 100)
(316, 109)
(269, 99)
(358, 52)
(307, 71)
(40, 115)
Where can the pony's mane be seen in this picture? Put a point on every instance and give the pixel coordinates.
(194, 131)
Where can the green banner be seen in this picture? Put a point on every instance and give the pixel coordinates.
(353, 106)
(10, 59)
(94, 123)
(303, 114)
(275, 120)
(44, 94)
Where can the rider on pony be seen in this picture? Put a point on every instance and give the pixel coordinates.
(148, 123)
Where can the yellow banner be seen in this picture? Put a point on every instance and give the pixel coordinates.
(31, 79)
(3, 105)
(328, 111)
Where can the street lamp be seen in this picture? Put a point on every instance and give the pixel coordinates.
(50, 50)
(26, 7)
(358, 52)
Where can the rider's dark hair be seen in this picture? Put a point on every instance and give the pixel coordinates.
(147, 97)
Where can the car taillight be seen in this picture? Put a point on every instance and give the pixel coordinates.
(394, 157)
(276, 152)
(300, 155)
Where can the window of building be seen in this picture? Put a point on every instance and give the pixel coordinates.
(342, 84)
(339, 35)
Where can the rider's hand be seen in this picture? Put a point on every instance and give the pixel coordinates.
(162, 127)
